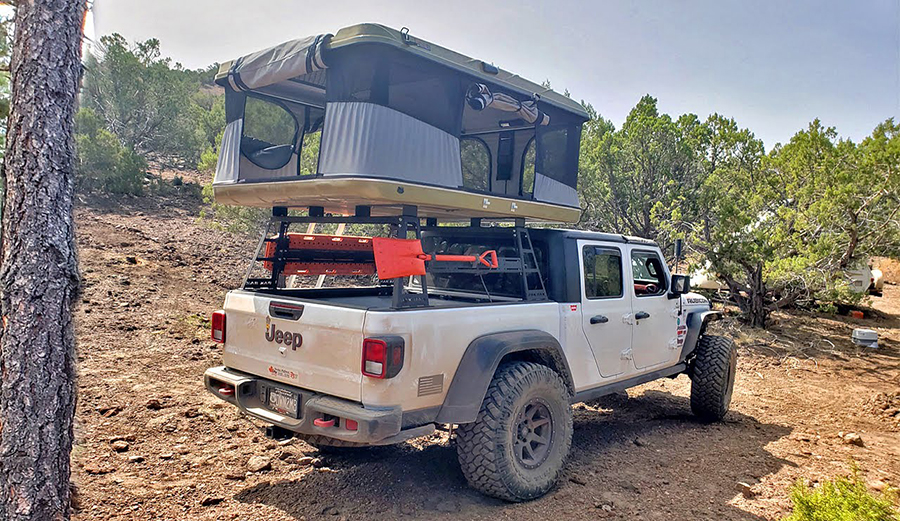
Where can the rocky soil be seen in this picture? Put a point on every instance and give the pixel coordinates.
(152, 444)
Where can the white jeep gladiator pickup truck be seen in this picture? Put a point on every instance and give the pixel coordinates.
(350, 367)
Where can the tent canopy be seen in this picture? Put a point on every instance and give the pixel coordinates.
(305, 55)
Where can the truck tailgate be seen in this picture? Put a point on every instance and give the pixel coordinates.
(309, 345)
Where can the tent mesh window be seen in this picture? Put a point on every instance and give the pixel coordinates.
(527, 190)
(476, 164)
(557, 153)
(270, 131)
(404, 83)
(309, 152)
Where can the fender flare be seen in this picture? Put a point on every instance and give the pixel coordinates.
(480, 361)
(697, 322)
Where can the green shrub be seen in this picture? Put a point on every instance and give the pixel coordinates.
(102, 162)
(152, 105)
(208, 159)
(843, 499)
(232, 218)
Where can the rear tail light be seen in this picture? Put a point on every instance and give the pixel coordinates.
(218, 327)
(351, 425)
(382, 356)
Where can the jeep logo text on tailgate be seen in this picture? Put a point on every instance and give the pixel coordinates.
(292, 340)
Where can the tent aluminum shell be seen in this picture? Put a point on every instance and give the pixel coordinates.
(390, 177)
(341, 195)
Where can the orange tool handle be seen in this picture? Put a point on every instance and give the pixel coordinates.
(452, 258)
(488, 258)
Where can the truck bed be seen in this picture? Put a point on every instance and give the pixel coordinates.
(313, 338)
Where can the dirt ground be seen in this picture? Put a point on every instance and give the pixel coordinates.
(152, 444)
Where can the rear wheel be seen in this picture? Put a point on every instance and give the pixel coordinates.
(712, 377)
(516, 448)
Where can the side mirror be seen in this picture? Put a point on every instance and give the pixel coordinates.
(681, 284)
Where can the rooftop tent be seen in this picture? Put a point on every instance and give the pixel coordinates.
(372, 116)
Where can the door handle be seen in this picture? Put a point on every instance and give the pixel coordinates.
(640, 315)
(599, 319)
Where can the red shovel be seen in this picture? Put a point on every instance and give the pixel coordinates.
(395, 258)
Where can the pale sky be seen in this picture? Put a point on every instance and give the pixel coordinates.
(772, 65)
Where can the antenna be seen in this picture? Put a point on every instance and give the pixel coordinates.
(679, 245)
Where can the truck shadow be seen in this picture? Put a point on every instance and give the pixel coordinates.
(645, 459)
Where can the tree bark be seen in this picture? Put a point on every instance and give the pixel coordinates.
(852, 243)
(751, 299)
(39, 274)
(757, 312)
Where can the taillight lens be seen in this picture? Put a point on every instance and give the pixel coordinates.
(382, 356)
(218, 327)
(374, 357)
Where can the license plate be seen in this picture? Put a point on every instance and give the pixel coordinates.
(284, 401)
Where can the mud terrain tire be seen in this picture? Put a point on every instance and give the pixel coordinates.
(517, 446)
(712, 377)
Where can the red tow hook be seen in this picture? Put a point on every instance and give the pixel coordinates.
(226, 390)
(322, 422)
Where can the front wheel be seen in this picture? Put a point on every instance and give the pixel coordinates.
(518, 444)
(712, 377)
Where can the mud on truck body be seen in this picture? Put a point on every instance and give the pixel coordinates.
(498, 327)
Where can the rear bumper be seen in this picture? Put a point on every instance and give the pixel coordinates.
(374, 426)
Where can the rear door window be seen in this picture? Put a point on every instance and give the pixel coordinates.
(602, 272)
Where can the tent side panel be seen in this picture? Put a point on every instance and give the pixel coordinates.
(252, 172)
(228, 164)
(373, 140)
(549, 190)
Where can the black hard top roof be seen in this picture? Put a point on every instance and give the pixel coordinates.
(541, 233)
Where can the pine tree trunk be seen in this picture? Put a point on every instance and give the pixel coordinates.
(39, 272)
(757, 313)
